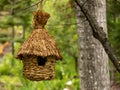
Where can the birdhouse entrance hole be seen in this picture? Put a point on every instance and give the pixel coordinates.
(41, 61)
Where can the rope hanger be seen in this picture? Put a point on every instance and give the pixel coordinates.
(40, 5)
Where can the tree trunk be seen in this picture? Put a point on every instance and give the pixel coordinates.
(13, 35)
(13, 30)
(23, 32)
(92, 61)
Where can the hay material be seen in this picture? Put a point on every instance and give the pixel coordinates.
(39, 52)
(40, 43)
(35, 72)
(40, 19)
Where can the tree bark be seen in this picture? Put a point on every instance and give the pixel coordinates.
(23, 32)
(92, 61)
(13, 30)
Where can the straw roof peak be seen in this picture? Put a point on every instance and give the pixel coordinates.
(40, 19)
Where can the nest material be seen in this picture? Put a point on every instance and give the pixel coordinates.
(36, 48)
(40, 43)
(35, 72)
(40, 19)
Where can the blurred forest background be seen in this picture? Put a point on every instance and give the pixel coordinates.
(16, 23)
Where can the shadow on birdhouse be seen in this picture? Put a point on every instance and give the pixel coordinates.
(39, 52)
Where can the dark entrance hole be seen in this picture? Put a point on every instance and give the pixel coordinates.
(41, 61)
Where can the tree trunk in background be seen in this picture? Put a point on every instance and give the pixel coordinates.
(13, 35)
(23, 32)
(13, 30)
(92, 61)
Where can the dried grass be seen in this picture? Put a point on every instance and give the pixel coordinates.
(35, 72)
(39, 44)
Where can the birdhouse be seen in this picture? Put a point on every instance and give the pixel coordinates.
(39, 52)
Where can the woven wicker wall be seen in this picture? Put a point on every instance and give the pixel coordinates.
(35, 72)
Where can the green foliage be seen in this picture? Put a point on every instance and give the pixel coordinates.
(11, 76)
(113, 13)
(61, 26)
(113, 20)
(19, 17)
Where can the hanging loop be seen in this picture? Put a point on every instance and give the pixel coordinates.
(40, 17)
(40, 5)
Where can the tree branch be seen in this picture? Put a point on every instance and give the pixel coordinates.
(29, 6)
(99, 34)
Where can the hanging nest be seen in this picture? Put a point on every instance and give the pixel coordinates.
(39, 52)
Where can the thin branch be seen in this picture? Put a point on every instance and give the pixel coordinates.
(99, 34)
(21, 10)
(29, 6)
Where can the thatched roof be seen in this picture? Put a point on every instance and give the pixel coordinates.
(40, 42)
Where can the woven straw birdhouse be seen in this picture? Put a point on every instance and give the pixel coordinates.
(39, 52)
